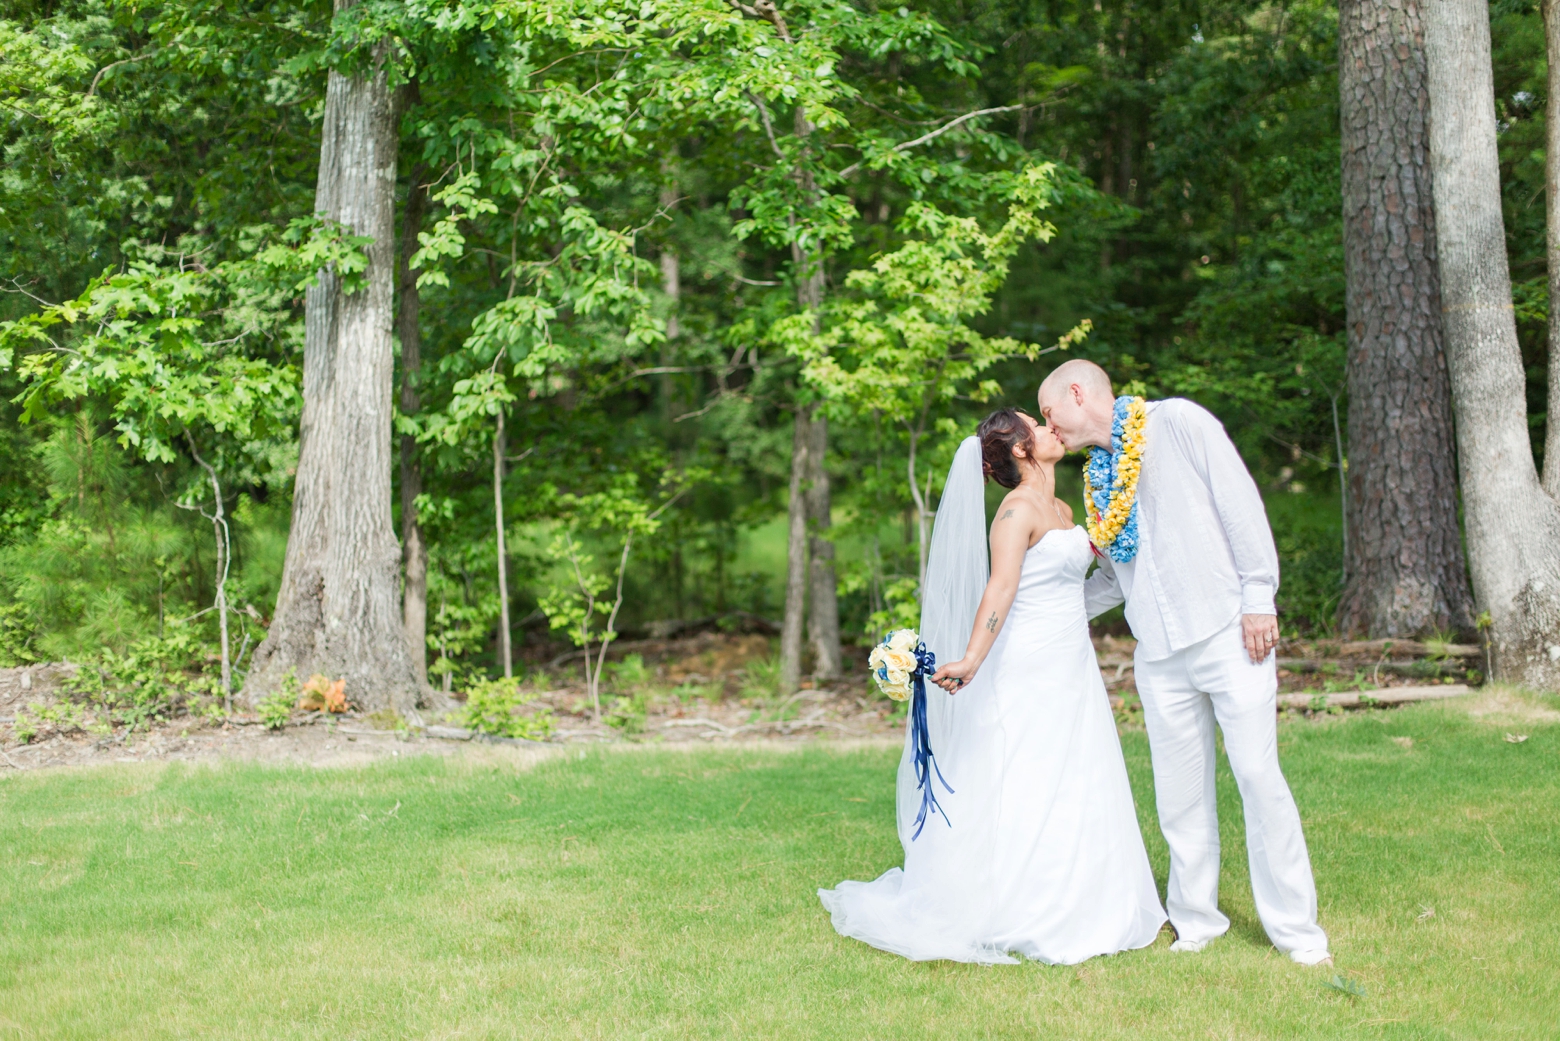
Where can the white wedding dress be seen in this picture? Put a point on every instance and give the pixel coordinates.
(1038, 851)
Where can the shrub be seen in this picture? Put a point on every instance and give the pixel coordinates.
(761, 678)
(629, 673)
(154, 678)
(16, 636)
(275, 709)
(497, 707)
(629, 715)
(24, 728)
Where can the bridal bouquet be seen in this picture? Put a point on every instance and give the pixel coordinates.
(895, 661)
(901, 664)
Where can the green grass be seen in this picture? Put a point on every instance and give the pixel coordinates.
(668, 894)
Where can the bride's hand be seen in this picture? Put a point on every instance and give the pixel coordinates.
(954, 676)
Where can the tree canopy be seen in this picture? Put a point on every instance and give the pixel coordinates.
(656, 236)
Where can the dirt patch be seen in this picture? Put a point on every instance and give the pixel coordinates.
(691, 692)
(1497, 703)
(694, 691)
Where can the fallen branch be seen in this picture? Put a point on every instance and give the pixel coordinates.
(1418, 667)
(1367, 698)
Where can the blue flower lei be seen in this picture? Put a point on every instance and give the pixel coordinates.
(1102, 479)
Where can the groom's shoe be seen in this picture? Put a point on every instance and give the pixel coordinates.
(1309, 957)
(1188, 946)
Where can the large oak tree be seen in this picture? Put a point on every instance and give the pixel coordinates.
(338, 612)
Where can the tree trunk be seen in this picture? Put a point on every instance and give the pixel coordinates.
(506, 657)
(795, 559)
(823, 620)
(337, 612)
(414, 551)
(1405, 573)
(1513, 524)
(1552, 208)
(219, 531)
(671, 285)
(807, 473)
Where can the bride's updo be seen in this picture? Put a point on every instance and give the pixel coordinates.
(999, 434)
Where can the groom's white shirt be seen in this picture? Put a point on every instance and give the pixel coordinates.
(1205, 551)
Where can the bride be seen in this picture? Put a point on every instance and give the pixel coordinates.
(1038, 850)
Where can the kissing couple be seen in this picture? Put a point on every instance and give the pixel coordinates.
(1039, 852)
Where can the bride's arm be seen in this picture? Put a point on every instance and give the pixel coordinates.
(1010, 539)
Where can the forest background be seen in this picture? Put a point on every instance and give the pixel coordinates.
(639, 275)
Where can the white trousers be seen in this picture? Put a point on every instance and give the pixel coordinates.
(1183, 695)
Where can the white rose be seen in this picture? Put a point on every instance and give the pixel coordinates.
(900, 663)
(903, 640)
(892, 668)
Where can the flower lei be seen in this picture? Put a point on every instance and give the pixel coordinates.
(1110, 482)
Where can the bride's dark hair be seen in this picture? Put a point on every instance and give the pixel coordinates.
(999, 434)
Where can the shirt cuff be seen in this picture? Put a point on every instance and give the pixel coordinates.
(1257, 598)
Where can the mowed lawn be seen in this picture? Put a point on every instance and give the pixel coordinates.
(670, 894)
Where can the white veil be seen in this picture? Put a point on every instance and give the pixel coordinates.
(957, 569)
(956, 574)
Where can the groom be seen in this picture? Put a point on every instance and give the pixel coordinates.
(1199, 594)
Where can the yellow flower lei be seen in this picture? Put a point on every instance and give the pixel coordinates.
(1104, 529)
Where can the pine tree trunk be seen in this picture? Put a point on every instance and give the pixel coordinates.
(338, 611)
(823, 620)
(795, 559)
(1405, 569)
(414, 551)
(1513, 524)
(1552, 206)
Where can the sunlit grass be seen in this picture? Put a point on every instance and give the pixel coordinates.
(647, 893)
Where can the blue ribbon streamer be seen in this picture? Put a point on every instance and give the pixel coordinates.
(921, 741)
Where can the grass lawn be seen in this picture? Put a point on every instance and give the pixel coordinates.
(669, 894)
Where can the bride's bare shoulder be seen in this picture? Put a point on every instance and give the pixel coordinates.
(1016, 506)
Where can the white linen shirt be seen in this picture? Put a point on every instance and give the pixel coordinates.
(1205, 551)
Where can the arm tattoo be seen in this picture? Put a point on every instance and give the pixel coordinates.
(991, 623)
(1006, 515)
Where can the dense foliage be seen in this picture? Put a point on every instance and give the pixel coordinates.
(624, 202)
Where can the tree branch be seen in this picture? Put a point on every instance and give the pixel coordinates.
(932, 135)
(114, 65)
(769, 127)
(765, 11)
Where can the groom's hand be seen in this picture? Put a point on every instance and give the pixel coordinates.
(1261, 632)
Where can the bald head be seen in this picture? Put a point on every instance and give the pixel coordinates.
(1076, 401)
(1088, 376)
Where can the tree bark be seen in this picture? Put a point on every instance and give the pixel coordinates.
(808, 270)
(795, 559)
(1552, 212)
(1513, 524)
(671, 285)
(338, 611)
(506, 658)
(1405, 572)
(414, 550)
(823, 620)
